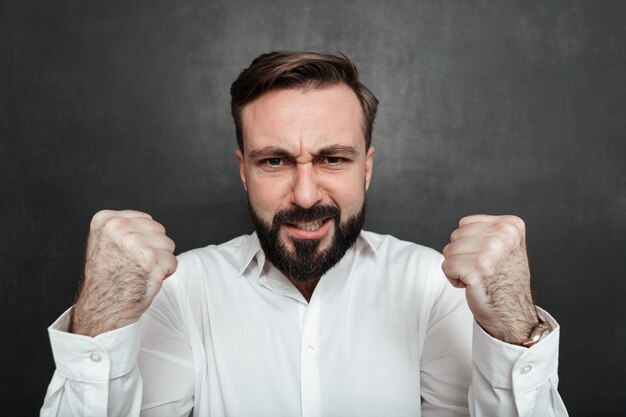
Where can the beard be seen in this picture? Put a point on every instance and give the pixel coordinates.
(307, 262)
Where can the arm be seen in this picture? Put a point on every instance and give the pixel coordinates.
(145, 368)
(96, 345)
(446, 360)
(93, 373)
(487, 257)
(514, 380)
(465, 371)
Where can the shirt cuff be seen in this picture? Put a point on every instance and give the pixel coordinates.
(515, 367)
(93, 359)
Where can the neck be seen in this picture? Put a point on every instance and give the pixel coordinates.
(306, 288)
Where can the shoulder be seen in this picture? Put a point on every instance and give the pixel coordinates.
(398, 259)
(229, 252)
(409, 270)
(388, 246)
(214, 260)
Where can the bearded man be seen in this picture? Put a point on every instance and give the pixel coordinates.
(308, 316)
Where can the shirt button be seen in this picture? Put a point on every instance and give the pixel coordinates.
(95, 357)
(311, 349)
(526, 369)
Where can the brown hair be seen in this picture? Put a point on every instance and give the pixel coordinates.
(276, 70)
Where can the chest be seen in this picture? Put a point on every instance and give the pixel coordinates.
(354, 350)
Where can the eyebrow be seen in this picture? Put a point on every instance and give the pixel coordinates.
(277, 151)
(338, 149)
(269, 151)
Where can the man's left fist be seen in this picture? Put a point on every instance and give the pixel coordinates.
(487, 256)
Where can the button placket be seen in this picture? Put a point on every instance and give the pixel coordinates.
(309, 361)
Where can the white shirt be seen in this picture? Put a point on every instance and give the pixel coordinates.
(384, 334)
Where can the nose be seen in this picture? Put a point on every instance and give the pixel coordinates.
(306, 190)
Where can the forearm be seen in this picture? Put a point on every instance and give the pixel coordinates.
(515, 381)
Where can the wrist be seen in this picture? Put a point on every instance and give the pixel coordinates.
(89, 321)
(512, 330)
(538, 332)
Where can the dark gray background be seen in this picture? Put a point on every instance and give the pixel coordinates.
(486, 106)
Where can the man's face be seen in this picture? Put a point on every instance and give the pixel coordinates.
(306, 172)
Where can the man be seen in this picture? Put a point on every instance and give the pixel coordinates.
(309, 315)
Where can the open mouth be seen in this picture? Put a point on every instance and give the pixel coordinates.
(309, 230)
(309, 226)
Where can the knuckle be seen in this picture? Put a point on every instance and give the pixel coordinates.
(99, 218)
(167, 266)
(151, 225)
(136, 213)
(516, 221)
(115, 225)
(132, 240)
(506, 230)
(149, 258)
(453, 268)
(159, 227)
(484, 263)
(446, 267)
(494, 243)
(173, 264)
(464, 220)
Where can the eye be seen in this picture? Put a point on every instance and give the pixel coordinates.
(333, 160)
(273, 162)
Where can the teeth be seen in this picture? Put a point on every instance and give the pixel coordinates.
(309, 226)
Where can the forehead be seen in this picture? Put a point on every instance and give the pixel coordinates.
(322, 116)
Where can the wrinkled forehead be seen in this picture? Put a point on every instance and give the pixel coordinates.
(327, 113)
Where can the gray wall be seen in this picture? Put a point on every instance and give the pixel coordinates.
(486, 106)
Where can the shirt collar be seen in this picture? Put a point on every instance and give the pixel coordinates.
(249, 251)
(252, 249)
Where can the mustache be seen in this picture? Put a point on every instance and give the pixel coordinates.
(299, 214)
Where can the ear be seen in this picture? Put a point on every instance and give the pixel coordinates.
(242, 168)
(369, 165)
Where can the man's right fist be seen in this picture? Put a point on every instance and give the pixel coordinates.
(128, 256)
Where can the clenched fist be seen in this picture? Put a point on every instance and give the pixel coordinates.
(487, 257)
(128, 256)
